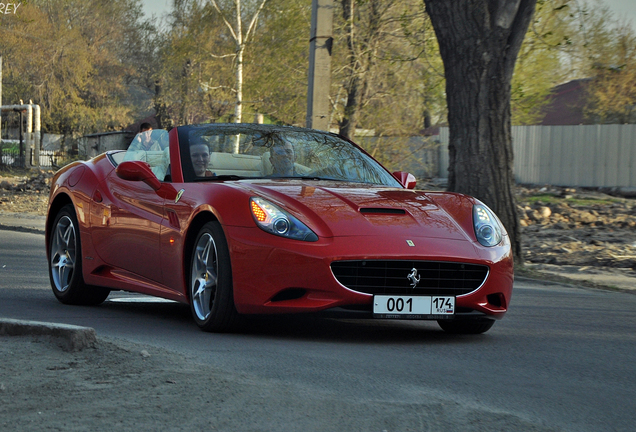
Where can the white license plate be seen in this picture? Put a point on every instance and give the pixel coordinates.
(415, 307)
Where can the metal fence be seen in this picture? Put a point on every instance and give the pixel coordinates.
(588, 156)
(10, 158)
(52, 159)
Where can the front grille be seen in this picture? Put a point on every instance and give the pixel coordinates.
(391, 277)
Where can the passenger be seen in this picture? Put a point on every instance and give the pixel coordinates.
(151, 146)
(282, 158)
(146, 140)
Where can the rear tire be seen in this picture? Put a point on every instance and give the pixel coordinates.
(466, 326)
(210, 282)
(65, 263)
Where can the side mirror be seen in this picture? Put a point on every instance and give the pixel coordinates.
(138, 171)
(407, 180)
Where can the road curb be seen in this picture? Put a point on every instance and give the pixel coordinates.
(72, 338)
(21, 229)
(22, 222)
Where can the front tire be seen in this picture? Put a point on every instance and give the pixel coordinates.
(65, 263)
(466, 326)
(211, 291)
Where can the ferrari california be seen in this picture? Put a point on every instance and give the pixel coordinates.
(239, 219)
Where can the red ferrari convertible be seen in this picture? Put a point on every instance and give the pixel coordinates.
(237, 219)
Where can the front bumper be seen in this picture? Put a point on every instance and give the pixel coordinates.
(277, 275)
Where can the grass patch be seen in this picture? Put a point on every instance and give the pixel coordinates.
(10, 147)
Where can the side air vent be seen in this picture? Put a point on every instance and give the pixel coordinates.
(289, 294)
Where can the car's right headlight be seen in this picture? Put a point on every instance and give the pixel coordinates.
(276, 221)
(487, 228)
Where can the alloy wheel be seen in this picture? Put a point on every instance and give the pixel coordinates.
(204, 276)
(63, 253)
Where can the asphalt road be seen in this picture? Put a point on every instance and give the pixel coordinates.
(563, 357)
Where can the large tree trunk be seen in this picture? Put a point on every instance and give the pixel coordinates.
(479, 41)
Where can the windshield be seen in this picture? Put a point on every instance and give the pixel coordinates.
(262, 151)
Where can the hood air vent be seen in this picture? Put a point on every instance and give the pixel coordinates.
(380, 210)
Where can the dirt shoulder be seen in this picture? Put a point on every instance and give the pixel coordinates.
(117, 385)
(578, 235)
(25, 192)
(111, 386)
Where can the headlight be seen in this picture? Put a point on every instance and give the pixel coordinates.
(487, 228)
(273, 220)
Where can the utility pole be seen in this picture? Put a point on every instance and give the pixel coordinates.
(0, 99)
(320, 44)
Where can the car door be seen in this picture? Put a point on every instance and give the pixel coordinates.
(127, 226)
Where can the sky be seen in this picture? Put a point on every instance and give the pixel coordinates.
(622, 8)
(157, 7)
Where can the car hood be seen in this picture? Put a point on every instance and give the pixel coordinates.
(342, 209)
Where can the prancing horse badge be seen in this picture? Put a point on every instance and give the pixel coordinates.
(176, 200)
(413, 277)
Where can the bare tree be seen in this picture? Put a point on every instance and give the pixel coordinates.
(241, 40)
(479, 42)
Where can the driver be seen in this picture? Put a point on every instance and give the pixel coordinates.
(200, 155)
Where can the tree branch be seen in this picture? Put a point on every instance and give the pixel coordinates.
(250, 29)
(229, 26)
(206, 87)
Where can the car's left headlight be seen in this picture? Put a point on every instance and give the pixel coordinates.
(487, 227)
(276, 221)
